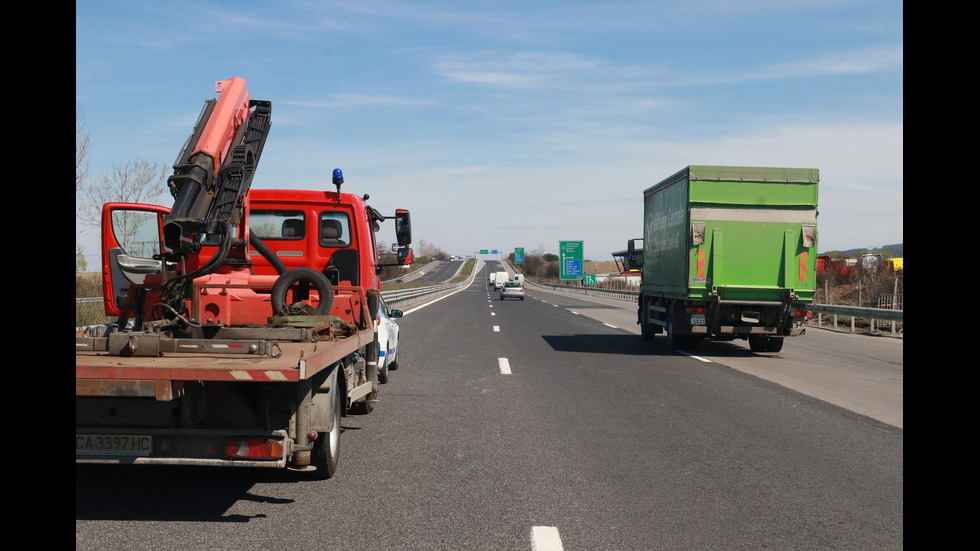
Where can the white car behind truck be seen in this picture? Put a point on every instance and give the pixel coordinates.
(388, 334)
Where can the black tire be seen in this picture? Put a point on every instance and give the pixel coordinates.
(758, 343)
(775, 344)
(646, 331)
(326, 450)
(674, 341)
(297, 278)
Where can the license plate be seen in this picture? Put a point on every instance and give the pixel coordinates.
(113, 444)
(697, 319)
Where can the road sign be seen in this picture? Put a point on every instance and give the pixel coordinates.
(484, 251)
(518, 255)
(570, 259)
(589, 279)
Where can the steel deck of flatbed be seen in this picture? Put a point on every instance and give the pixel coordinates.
(297, 362)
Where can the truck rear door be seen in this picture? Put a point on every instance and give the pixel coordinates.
(131, 236)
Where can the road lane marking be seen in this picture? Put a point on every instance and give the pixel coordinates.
(705, 360)
(504, 366)
(609, 325)
(545, 538)
(496, 328)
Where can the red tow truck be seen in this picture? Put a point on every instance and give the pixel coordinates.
(244, 318)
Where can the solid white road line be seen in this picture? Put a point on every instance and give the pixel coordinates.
(504, 366)
(705, 360)
(545, 538)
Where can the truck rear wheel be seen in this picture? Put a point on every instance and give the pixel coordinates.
(647, 330)
(759, 343)
(775, 344)
(674, 341)
(326, 449)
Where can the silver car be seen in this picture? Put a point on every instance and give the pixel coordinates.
(512, 289)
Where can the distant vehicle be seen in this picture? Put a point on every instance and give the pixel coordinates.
(512, 289)
(499, 279)
(729, 253)
(519, 278)
(388, 333)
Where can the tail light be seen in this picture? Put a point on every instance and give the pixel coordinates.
(254, 449)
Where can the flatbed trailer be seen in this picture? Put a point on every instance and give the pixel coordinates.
(219, 406)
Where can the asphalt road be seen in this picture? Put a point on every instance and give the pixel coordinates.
(517, 425)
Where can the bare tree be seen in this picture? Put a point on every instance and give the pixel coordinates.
(81, 173)
(138, 181)
(81, 153)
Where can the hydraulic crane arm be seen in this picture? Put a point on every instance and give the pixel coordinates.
(215, 168)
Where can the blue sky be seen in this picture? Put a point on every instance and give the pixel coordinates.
(503, 124)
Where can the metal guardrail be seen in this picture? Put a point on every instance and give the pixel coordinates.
(887, 314)
(856, 311)
(406, 297)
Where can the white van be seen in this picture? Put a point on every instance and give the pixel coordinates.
(499, 279)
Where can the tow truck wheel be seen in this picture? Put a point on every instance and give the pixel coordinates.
(296, 279)
(326, 449)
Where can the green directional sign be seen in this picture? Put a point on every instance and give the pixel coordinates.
(570, 259)
(518, 255)
(484, 251)
(589, 279)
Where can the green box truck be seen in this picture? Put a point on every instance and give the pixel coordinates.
(728, 252)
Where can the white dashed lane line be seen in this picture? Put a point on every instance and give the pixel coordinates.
(504, 366)
(545, 538)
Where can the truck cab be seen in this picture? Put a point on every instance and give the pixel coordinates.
(327, 232)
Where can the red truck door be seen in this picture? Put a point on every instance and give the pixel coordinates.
(131, 235)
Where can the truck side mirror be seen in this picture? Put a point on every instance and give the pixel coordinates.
(403, 228)
(404, 256)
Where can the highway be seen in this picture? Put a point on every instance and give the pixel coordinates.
(549, 424)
